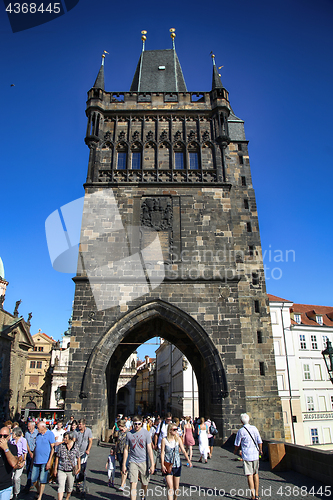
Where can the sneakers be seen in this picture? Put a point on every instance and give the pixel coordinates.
(120, 488)
(112, 484)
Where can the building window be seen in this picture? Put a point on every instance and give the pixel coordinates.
(35, 349)
(309, 403)
(179, 160)
(314, 436)
(40, 349)
(297, 318)
(325, 339)
(251, 250)
(259, 337)
(39, 364)
(255, 279)
(136, 161)
(332, 402)
(306, 371)
(241, 161)
(246, 203)
(319, 320)
(32, 364)
(121, 161)
(248, 227)
(240, 147)
(317, 372)
(194, 162)
(256, 306)
(262, 368)
(314, 344)
(302, 343)
(243, 178)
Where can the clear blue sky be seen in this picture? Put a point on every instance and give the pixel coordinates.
(278, 70)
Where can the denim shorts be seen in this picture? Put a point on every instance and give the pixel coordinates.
(39, 473)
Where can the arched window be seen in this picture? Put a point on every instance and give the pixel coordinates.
(136, 156)
(179, 156)
(193, 156)
(121, 156)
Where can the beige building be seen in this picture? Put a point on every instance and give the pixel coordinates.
(15, 341)
(126, 386)
(144, 395)
(176, 384)
(37, 384)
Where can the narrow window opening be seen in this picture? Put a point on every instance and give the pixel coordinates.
(121, 161)
(240, 147)
(256, 306)
(251, 250)
(246, 203)
(243, 180)
(259, 337)
(136, 161)
(179, 160)
(249, 227)
(241, 161)
(194, 163)
(262, 368)
(255, 279)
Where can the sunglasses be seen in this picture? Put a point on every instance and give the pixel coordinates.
(137, 423)
(4, 435)
(174, 430)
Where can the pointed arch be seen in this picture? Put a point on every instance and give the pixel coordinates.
(164, 157)
(207, 156)
(136, 327)
(149, 157)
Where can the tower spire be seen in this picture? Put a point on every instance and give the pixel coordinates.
(99, 83)
(173, 36)
(216, 83)
(143, 38)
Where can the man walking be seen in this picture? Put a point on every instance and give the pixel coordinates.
(30, 436)
(250, 442)
(43, 454)
(138, 446)
(84, 440)
(8, 460)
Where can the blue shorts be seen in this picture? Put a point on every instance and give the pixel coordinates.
(5, 494)
(176, 471)
(39, 473)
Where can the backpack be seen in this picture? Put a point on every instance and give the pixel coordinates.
(213, 431)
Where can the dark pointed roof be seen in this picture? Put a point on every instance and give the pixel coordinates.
(216, 84)
(158, 71)
(99, 83)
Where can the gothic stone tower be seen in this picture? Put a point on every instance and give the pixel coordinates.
(170, 247)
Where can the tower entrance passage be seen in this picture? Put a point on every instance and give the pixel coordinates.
(153, 319)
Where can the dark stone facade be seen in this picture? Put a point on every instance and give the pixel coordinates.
(176, 164)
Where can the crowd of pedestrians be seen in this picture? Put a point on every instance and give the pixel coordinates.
(142, 446)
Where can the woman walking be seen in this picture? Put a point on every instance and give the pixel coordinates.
(203, 440)
(120, 446)
(170, 460)
(67, 464)
(188, 437)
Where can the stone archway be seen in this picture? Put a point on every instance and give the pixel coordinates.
(155, 318)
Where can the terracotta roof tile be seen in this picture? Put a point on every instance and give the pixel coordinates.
(309, 312)
(274, 298)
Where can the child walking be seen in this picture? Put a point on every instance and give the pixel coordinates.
(111, 467)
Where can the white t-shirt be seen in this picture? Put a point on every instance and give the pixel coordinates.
(162, 428)
(59, 434)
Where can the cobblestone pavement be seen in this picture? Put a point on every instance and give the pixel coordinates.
(222, 477)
